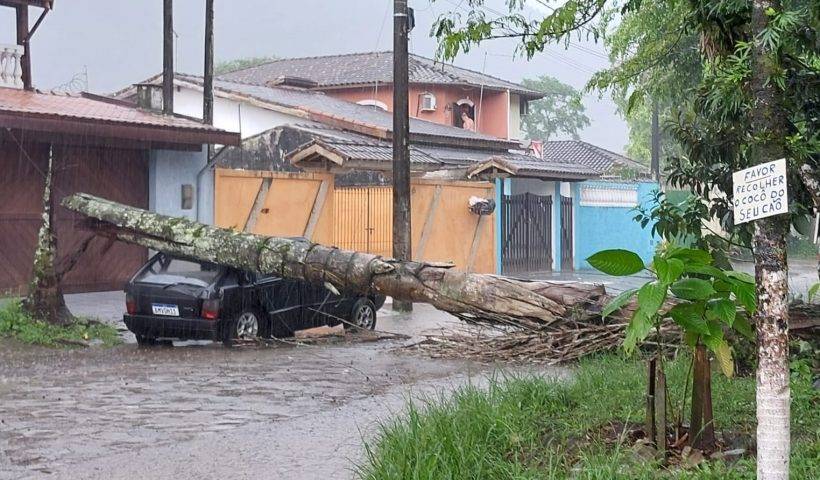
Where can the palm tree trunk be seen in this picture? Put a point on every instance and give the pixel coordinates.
(768, 122)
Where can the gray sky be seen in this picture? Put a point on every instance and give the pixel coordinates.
(120, 42)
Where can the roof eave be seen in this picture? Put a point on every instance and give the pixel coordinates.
(108, 129)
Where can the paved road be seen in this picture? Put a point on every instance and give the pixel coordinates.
(200, 411)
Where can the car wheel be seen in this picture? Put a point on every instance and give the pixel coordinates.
(245, 326)
(363, 316)
(144, 341)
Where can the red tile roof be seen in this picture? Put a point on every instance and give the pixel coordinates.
(90, 115)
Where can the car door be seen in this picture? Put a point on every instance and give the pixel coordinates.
(318, 305)
(283, 299)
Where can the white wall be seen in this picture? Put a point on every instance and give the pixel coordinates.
(531, 185)
(515, 117)
(248, 120)
(168, 171)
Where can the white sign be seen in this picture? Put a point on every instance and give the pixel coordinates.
(760, 191)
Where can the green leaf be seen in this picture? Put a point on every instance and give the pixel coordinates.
(707, 270)
(616, 262)
(691, 255)
(690, 317)
(743, 327)
(722, 309)
(639, 327)
(691, 338)
(745, 295)
(723, 353)
(813, 291)
(692, 289)
(668, 271)
(741, 276)
(618, 302)
(651, 297)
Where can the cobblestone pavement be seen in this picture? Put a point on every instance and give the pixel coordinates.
(200, 411)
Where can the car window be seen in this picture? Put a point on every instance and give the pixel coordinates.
(166, 270)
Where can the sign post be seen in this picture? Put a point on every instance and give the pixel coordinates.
(760, 191)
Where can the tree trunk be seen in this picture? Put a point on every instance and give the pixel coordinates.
(472, 297)
(45, 297)
(768, 123)
(701, 424)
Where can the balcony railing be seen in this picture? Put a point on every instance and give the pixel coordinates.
(11, 68)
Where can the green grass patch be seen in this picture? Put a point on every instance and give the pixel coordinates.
(533, 428)
(17, 324)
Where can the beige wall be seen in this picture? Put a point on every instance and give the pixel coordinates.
(284, 210)
(360, 218)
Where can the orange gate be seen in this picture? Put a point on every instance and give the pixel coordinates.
(364, 219)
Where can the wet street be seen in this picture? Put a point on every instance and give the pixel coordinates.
(198, 410)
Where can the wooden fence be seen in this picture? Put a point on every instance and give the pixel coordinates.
(360, 218)
(275, 203)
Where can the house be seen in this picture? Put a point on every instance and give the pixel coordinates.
(293, 127)
(604, 208)
(438, 92)
(97, 145)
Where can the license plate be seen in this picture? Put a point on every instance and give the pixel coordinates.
(165, 309)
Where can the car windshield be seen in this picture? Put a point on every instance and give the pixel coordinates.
(174, 271)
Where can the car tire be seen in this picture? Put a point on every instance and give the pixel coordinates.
(246, 325)
(363, 316)
(144, 341)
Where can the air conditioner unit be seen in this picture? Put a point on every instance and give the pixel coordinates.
(428, 102)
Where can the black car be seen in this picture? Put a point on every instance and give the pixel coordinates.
(173, 298)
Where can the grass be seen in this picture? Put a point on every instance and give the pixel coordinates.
(532, 428)
(17, 324)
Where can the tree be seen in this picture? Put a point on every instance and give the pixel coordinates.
(757, 100)
(561, 111)
(473, 297)
(228, 66)
(45, 296)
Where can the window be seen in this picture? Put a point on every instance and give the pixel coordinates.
(187, 196)
(372, 102)
(523, 107)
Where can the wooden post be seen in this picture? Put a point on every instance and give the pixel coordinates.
(208, 80)
(401, 141)
(660, 409)
(168, 57)
(701, 426)
(22, 39)
(650, 399)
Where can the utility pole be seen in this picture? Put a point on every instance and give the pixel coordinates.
(208, 84)
(168, 57)
(655, 165)
(401, 143)
(23, 39)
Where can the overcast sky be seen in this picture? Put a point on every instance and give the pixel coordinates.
(118, 42)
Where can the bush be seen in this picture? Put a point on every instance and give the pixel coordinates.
(17, 324)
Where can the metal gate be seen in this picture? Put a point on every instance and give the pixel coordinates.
(526, 233)
(566, 233)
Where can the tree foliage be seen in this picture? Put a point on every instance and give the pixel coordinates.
(228, 66)
(561, 111)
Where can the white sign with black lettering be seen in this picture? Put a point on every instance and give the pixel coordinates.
(760, 191)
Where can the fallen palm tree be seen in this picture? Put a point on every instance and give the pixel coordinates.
(476, 298)
(551, 321)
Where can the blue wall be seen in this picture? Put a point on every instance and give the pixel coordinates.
(168, 171)
(602, 228)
